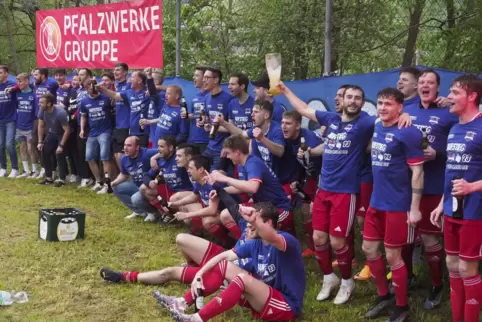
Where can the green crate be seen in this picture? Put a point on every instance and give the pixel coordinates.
(61, 224)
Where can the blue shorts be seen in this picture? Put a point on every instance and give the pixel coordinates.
(101, 143)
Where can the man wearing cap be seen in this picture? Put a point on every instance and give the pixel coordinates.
(261, 87)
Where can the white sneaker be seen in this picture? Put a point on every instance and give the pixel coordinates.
(33, 175)
(73, 178)
(103, 190)
(23, 175)
(41, 175)
(13, 173)
(134, 215)
(345, 292)
(329, 284)
(96, 187)
(85, 183)
(150, 217)
(3, 173)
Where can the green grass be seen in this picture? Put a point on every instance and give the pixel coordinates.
(63, 278)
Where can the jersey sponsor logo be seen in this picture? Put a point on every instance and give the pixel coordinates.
(389, 137)
(73, 101)
(434, 119)
(469, 136)
(348, 127)
(220, 107)
(334, 126)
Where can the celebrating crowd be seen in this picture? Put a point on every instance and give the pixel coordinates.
(235, 167)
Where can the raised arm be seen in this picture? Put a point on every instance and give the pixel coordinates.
(297, 103)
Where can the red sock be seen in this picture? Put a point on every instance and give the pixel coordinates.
(434, 255)
(188, 273)
(344, 257)
(350, 241)
(130, 277)
(473, 296)
(457, 296)
(379, 273)
(407, 256)
(196, 225)
(220, 233)
(224, 301)
(234, 229)
(400, 282)
(308, 226)
(323, 256)
(212, 281)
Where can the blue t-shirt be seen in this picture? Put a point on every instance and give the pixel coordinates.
(216, 104)
(8, 103)
(275, 135)
(436, 122)
(81, 93)
(63, 96)
(197, 134)
(278, 111)
(414, 101)
(464, 160)
(270, 189)
(345, 147)
(171, 123)
(312, 139)
(136, 167)
(26, 110)
(98, 112)
(283, 270)
(138, 103)
(176, 178)
(240, 114)
(153, 113)
(393, 151)
(49, 86)
(203, 192)
(122, 110)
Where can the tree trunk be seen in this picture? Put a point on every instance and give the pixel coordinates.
(411, 44)
(450, 49)
(11, 41)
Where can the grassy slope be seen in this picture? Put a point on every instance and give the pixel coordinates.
(64, 281)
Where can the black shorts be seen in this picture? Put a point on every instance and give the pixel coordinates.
(118, 138)
(143, 140)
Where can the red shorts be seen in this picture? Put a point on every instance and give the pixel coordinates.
(334, 212)
(150, 145)
(463, 238)
(288, 191)
(311, 186)
(276, 308)
(427, 205)
(366, 189)
(389, 226)
(285, 216)
(213, 250)
(166, 193)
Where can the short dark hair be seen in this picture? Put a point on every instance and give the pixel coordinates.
(415, 72)
(61, 71)
(110, 75)
(88, 71)
(123, 66)
(344, 86)
(265, 106)
(43, 71)
(237, 143)
(189, 149)
(390, 92)
(201, 68)
(4, 68)
(430, 71)
(216, 72)
(143, 77)
(356, 88)
(470, 83)
(201, 161)
(267, 211)
(169, 139)
(49, 98)
(242, 80)
(293, 114)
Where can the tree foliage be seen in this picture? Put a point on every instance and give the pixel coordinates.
(368, 35)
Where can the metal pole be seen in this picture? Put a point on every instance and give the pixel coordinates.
(178, 38)
(328, 27)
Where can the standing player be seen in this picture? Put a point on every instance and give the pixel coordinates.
(462, 221)
(261, 88)
(197, 135)
(336, 201)
(397, 165)
(122, 112)
(241, 107)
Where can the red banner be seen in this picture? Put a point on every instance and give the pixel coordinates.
(100, 36)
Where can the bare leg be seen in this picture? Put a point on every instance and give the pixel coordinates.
(94, 167)
(23, 151)
(148, 193)
(192, 247)
(32, 152)
(160, 277)
(118, 157)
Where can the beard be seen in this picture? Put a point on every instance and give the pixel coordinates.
(351, 112)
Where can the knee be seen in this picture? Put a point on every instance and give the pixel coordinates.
(181, 239)
(143, 189)
(369, 250)
(337, 243)
(452, 263)
(225, 216)
(319, 237)
(393, 256)
(244, 277)
(208, 222)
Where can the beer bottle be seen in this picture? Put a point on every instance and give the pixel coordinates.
(141, 127)
(164, 206)
(306, 154)
(183, 108)
(93, 84)
(425, 142)
(202, 113)
(160, 179)
(301, 193)
(200, 296)
(214, 130)
(458, 205)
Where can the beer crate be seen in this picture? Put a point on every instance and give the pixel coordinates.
(61, 224)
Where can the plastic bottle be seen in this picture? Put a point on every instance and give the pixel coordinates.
(8, 298)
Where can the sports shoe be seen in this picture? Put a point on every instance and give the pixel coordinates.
(308, 253)
(73, 178)
(329, 285)
(364, 275)
(97, 187)
(85, 183)
(46, 182)
(3, 173)
(181, 317)
(33, 175)
(13, 173)
(400, 313)
(345, 292)
(59, 183)
(382, 304)
(170, 302)
(150, 217)
(103, 190)
(23, 175)
(41, 174)
(134, 215)
(434, 297)
(110, 275)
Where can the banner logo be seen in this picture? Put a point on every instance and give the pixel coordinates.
(50, 38)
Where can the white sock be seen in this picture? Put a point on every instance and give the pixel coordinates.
(35, 167)
(328, 277)
(25, 166)
(347, 282)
